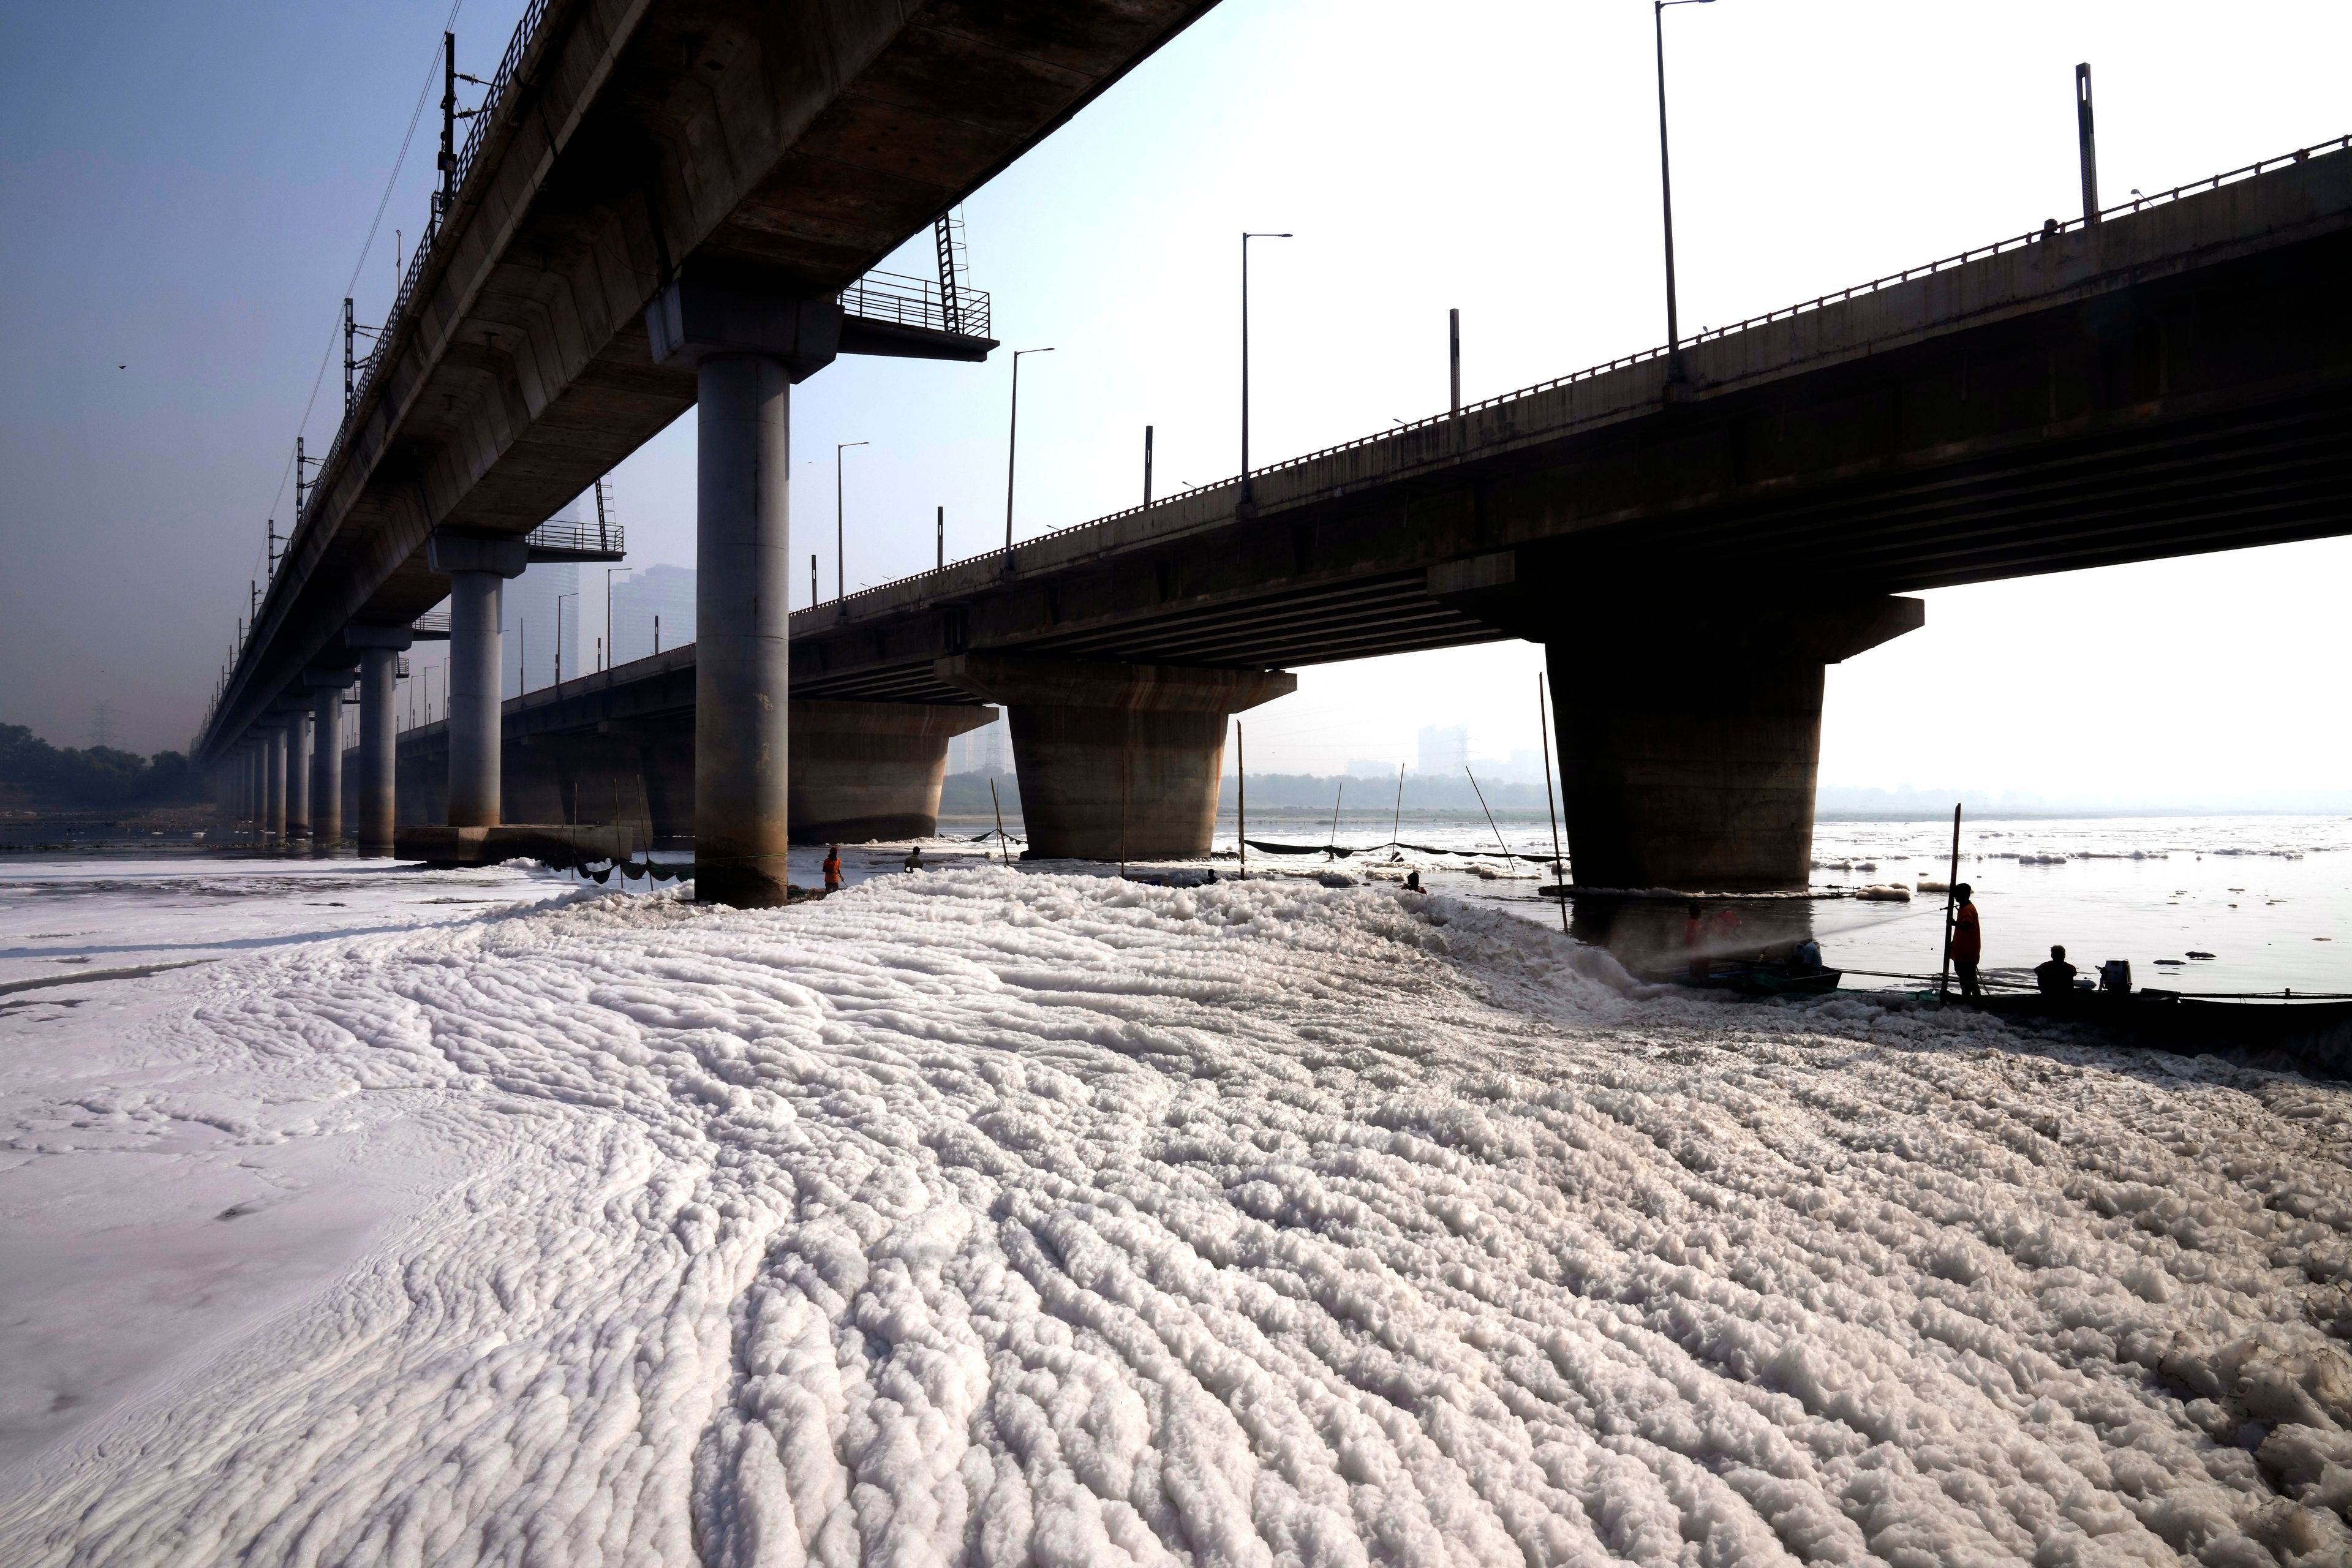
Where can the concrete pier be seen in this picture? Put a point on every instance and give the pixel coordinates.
(1687, 718)
(327, 757)
(1118, 762)
(478, 570)
(376, 809)
(273, 784)
(862, 770)
(298, 770)
(742, 697)
(1689, 746)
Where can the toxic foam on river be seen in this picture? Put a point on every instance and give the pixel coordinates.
(998, 1218)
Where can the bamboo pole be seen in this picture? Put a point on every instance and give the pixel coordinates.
(1951, 880)
(1241, 796)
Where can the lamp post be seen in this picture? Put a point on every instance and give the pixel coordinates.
(840, 571)
(1674, 378)
(1013, 441)
(612, 643)
(559, 634)
(1246, 237)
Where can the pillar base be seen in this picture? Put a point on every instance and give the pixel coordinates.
(862, 770)
(557, 844)
(1116, 762)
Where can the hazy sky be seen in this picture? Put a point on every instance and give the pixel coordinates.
(189, 191)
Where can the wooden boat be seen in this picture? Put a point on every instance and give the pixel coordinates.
(2315, 1030)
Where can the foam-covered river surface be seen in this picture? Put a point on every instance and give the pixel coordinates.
(977, 1216)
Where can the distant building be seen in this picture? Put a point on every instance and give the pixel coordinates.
(535, 612)
(1445, 749)
(658, 593)
(987, 750)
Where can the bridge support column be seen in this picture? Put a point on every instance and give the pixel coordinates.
(327, 757)
(478, 570)
(298, 769)
(749, 340)
(273, 784)
(1118, 762)
(1688, 724)
(864, 771)
(374, 813)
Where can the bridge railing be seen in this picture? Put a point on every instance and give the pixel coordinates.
(917, 302)
(1439, 421)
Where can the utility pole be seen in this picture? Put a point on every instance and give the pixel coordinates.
(273, 548)
(1012, 444)
(1147, 464)
(2089, 148)
(1246, 237)
(351, 360)
(603, 541)
(1454, 355)
(943, 537)
(812, 599)
(449, 160)
(1676, 382)
(840, 552)
(301, 485)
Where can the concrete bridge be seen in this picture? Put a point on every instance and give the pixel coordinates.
(2169, 381)
(1692, 536)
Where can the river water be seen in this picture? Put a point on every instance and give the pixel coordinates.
(2270, 898)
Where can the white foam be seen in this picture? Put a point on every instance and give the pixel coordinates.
(978, 1217)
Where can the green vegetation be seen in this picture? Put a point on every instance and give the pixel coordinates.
(36, 776)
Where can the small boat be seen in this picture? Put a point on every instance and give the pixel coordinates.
(2314, 1030)
(1768, 977)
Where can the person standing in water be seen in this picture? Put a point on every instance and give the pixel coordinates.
(1967, 946)
(833, 867)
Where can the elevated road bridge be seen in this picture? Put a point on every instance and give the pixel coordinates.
(662, 206)
(1691, 549)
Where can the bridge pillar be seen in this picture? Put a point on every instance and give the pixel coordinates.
(864, 771)
(327, 756)
(1688, 721)
(374, 813)
(273, 784)
(478, 570)
(298, 769)
(1116, 762)
(749, 340)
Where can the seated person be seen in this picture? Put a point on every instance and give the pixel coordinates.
(2056, 978)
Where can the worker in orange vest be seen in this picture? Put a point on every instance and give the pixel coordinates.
(1966, 947)
(833, 867)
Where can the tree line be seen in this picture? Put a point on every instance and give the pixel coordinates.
(34, 774)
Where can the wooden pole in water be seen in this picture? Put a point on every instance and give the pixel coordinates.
(1396, 823)
(1241, 796)
(1004, 844)
(1543, 727)
(1951, 880)
(1331, 850)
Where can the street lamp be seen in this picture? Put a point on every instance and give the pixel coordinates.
(612, 643)
(1013, 441)
(839, 569)
(1246, 237)
(1674, 378)
(559, 634)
